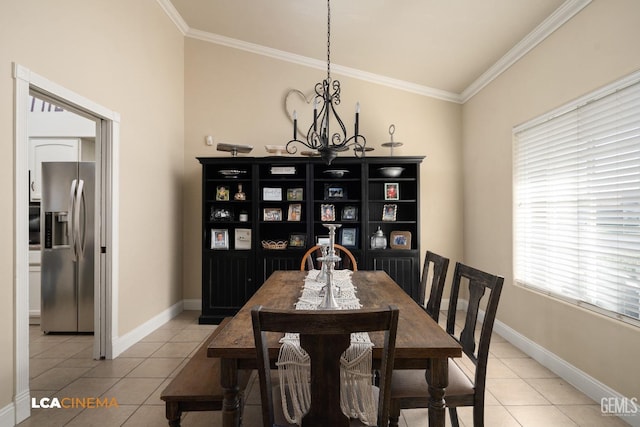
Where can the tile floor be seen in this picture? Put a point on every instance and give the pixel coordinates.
(520, 392)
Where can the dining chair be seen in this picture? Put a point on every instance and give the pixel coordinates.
(438, 275)
(409, 388)
(307, 261)
(324, 335)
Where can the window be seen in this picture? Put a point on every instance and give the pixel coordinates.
(577, 201)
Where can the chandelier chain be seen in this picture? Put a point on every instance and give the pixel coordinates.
(328, 41)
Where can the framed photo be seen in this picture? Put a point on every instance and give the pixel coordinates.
(222, 192)
(389, 212)
(400, 240)
(391, 191)
(218, 214)
(327, 213)
(322, 240)
(295, 194)
(272, 194)
(295, 212)
(349, 237)
(219, 239)
(297, 240)
(272, 214)
(332, 191)
(243, 239)
(349, 213)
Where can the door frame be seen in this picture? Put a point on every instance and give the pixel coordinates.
(106, 287)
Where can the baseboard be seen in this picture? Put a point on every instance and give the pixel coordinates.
(8, 416)
(574, 376)
(122, 343)
(192, 304)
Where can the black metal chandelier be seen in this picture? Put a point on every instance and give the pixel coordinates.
(319, 136)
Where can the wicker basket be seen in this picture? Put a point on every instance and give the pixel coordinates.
(272, 244)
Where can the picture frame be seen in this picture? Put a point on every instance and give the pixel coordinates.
(391, 191)
(295, 194)
(295, 212)
(219, 239)
(220, 214)
(242, 239)
(333, 192)
(272, 194)
(400, 240)
(327, 213)
(349, 237)
(322, 240)
(297, 240)
(349, 213)
(222, 192)
(389, 212)
(272, 214)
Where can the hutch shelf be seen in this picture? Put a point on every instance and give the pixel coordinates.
(261, 214)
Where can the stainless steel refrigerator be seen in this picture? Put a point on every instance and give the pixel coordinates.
(68, 235)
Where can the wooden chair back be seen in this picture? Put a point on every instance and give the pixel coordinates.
(438, 275)
(325, 335)
(479, 283)
(307, 261)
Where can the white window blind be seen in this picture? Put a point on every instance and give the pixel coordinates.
(577, 202)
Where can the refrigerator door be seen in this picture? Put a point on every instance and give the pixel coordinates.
(85, 240)
(67, 281)
(58, 280)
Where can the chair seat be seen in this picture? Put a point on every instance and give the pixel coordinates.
(281, 421)
(409, 383)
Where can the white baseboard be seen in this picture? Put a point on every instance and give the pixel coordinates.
(574, 376)
(122, 343)
(8, 416)
(192, 304)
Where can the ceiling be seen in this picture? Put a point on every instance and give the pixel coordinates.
(443, 48)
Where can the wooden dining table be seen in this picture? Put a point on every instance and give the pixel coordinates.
(420, 340)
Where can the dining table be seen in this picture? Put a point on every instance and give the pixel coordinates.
(420, 341)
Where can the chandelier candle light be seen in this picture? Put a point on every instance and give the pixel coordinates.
(319, 136)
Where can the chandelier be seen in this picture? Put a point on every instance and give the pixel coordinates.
(319, 136)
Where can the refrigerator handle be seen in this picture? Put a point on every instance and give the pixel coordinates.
(79, 241)
(70, 219)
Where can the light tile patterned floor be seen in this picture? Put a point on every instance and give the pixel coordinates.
(520, 392)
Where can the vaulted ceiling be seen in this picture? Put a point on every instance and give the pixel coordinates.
(443, 48)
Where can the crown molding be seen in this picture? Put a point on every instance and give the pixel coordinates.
(558, 18)
(174, 15)
(321, 65)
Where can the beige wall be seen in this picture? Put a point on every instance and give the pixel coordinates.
(237, 97)
(128, 57)
(596, 47)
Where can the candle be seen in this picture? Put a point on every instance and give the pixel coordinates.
(357, 118)
(315, 113)
(295, 124)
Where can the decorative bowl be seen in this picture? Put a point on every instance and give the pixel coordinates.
(336, 173)
(391, 171)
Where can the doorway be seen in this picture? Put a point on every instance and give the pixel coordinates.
(106, 145)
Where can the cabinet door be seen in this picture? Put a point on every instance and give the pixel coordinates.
(403, 269)
(49, 150)
(227, 283)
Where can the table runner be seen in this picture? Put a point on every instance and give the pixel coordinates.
(356, 394)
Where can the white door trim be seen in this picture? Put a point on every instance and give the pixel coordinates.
(25, 80)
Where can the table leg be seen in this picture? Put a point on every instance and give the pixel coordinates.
(229, 383)
(437, 384)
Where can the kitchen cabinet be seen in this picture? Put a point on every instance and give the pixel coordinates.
(260, 215)
(49, 150)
